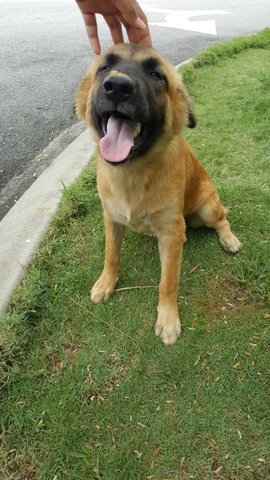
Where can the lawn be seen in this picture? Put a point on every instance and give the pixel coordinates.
(88, 391)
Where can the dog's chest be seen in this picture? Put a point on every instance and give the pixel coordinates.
(137, 218)
(136, 201)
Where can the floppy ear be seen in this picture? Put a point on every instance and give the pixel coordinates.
(182, 106)
(191, 119)
(81, 96)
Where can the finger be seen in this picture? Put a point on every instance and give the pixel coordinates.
(115, 28)
(143, 34)
(127, 9)
(92, 31)
(135, 35)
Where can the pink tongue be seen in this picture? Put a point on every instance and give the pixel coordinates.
(118, 141)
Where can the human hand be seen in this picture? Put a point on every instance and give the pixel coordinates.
(116, 13)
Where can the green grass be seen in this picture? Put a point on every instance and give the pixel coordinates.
(89, 392)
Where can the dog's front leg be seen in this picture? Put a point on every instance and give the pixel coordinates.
(105, 285)
(168, 326)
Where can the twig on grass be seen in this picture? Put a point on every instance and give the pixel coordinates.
(137, 286)
(194, 269)
(96, 317)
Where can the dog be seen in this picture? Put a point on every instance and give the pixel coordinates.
(148, 178)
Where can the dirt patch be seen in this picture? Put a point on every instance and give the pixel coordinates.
(225, 296)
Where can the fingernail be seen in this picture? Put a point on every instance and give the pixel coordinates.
(140, 23)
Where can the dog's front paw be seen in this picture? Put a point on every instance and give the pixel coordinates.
(168, 326)
(103, 288)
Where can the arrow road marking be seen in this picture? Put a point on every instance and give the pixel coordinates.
(181, 19)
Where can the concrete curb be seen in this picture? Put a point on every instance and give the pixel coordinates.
(25, 225)
(185, 62)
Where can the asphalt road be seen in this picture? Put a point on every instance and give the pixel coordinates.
(44, 53)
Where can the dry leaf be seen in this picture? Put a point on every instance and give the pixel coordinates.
(181, 465)
(212, 442)
(141, 424)
(137, 453)
(218, 469)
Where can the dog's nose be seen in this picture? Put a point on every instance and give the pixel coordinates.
(119, 88)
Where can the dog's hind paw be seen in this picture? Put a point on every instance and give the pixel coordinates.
(230, 243)
(104, 288)
(168, 328)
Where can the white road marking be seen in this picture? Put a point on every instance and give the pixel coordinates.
(181, 19)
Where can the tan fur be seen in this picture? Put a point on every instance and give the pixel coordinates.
(153, 194)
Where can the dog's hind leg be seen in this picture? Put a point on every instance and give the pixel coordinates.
(212, 214)
(105, 285)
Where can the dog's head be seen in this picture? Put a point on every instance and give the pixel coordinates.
(134, 100)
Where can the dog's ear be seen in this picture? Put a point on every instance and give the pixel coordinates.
(81, 96)
(191, 119)
(182, 106)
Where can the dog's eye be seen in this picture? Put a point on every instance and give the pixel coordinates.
(103, 69)
(156, 74)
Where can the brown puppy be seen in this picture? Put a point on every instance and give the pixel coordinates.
(148, 178)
